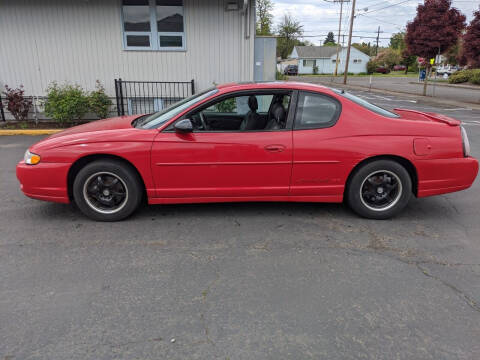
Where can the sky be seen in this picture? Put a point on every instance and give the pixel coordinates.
(318, 17)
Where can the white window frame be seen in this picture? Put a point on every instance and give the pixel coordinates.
(314, 63)
(153, 34)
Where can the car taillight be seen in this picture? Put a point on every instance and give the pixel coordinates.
(465, 142)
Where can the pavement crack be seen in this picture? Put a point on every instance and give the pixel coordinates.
(468, 300)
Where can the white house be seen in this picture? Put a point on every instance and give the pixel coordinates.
(80, 41)
(324, 58)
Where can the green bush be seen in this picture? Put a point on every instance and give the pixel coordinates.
(459, 77)
(281, 76)
(371, 66)
(65, 103)
(475, 78)
(315, 70)
(98, 102)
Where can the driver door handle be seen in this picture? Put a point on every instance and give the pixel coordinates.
(275, 148)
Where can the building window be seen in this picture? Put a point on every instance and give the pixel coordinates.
(153, 24)
(309, 63)
(357, 61)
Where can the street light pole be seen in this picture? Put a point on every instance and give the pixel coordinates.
(349, 43)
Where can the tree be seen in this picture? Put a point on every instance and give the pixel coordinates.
(389, 58)
(407, 59)
(364, 47)
(436, 27)
(471, 41)
(397, 41)
(289, 30)
(264, 17)
(330, 40)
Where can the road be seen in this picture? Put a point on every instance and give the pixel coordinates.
(241, 281)
(400, 84)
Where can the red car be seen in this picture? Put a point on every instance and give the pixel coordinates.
(253, 142)
(382, 70)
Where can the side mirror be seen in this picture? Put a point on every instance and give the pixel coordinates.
(184, 126)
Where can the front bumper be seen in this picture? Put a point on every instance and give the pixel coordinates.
(44, 181)
(441, 176)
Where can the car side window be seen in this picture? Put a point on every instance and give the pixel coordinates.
(252, 112)
(316, 111)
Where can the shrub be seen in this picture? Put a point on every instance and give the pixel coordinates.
(66, 103)
(315, 70)
(371, 66)
(98, 102)
(461, 76)
(281, 76)
(475, 78)
(17, 103)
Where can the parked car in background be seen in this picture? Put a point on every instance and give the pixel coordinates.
(281, 141)
(382, 70)
(291, 70)
(399, 68)
(446, 69)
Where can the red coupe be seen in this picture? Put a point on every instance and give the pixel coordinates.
(253, 142)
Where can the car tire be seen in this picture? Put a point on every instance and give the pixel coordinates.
(379, 189)
(107, 190)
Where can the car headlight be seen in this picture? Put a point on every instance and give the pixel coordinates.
(465, 142)
(31, 158)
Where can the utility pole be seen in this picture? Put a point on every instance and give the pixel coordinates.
(378, 37)
(339, 31)
(345, 73)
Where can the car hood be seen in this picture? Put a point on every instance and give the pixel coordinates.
(122, 122)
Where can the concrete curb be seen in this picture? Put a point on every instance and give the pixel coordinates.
(458, 86)
(9, 132)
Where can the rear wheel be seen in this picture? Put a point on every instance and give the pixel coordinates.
(379, 189)
(107, 190)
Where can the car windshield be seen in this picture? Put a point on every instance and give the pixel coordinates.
(366, 104)
(158, 118)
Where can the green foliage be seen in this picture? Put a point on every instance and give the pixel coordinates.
(459, 77)
(397, 41)
(330, 40)
(315, 70)
(371, 66)
(289, 30)
(464, 76)
(226, 106)
(475, 79)
(389, 58)
(65, 103)
(99, 103)
(281, 76)
(365, 48)
(264, 14)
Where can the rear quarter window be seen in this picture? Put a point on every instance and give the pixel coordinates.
(316, 111)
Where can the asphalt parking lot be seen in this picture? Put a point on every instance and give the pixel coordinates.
(241, 281)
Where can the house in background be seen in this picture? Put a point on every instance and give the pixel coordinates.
(80, 41)
(324, 58)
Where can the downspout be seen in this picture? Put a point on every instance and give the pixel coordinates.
(247, 14)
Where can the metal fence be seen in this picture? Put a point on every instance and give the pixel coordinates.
(2, 113)
(144, 97)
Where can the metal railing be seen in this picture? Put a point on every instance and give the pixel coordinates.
(2, 113)
(144, 97)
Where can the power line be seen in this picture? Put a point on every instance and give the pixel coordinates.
(386, 7)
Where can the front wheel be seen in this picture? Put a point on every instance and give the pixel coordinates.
(107, 190)
(379, 189)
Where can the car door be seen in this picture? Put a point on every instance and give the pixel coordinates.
(318, 166)
(222, 163)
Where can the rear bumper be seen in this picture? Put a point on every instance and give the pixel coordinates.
(44, 181)
(443, 176)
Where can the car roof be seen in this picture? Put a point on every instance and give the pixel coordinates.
(291, 85)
